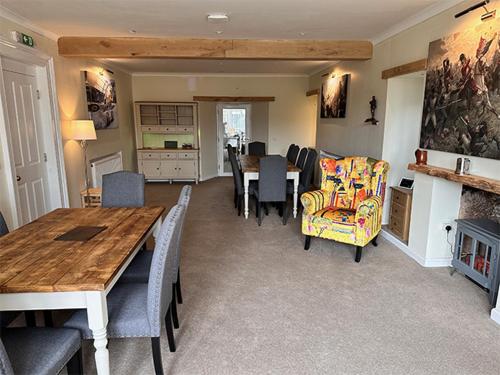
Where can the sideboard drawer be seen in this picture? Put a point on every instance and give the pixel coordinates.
(187, 155)
(150, 155)
(168, 155)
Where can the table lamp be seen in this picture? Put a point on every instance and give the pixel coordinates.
(83, 131)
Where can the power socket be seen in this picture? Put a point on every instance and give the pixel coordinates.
(447, 226)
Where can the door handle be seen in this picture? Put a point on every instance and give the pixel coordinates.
(18, 178)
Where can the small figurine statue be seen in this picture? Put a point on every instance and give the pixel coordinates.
(373, 107)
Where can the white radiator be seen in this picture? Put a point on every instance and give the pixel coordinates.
(104, 165)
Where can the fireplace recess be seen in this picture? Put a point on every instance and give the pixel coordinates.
(476, 254)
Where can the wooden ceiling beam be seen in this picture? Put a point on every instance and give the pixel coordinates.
(234, 99)
(237, 49)
(412, 67)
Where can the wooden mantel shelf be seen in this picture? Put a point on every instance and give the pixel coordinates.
(478, 182)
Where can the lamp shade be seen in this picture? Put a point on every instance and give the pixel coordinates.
(83, 130)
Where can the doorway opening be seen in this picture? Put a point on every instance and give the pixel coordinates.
(234, 128)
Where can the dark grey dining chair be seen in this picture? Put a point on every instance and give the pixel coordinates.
(272, 184)
(3, 226)
(289, 151)
(138, 270)
(292, 153)
(138, 309)
(235, 169)
(8, 317)
(302, 158)
(41, 351)
(122, 189)
(305, 179)
(257, 148)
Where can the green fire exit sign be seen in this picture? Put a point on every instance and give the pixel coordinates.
(27, 40)
(22, 38)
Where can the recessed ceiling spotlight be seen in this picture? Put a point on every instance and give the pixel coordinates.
(217, 17)
(132, 31)
(219, 32)
(302, 33)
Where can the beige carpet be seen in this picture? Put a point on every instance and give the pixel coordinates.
(256, 303)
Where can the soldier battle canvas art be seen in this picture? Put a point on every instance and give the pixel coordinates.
(462, 93)
(334, 96)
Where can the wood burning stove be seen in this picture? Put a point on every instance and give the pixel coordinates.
(476, 254)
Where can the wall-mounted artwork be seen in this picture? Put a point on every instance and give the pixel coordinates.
(334, 96)
(101, 99)
(462, 93)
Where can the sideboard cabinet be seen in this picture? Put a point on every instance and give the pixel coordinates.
(167, 140)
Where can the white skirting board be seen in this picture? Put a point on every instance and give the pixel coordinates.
(434, 262)
(495, 315)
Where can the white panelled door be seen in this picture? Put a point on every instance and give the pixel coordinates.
(26, 142)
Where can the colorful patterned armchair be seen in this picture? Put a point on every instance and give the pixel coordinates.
(348, 208)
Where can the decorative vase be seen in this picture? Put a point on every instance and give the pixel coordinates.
(421, 156)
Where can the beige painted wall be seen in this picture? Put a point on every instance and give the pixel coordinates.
(350, 135)
(72, 105)
(290, 119)
(291, 116)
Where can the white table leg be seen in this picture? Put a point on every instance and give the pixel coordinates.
(295, 194)
(246, 183)
(97, 313)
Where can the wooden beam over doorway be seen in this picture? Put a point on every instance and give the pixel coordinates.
(312, 92)
(234, 99)
(412, 67)
(238, 49)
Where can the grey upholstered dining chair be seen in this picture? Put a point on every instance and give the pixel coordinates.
(138, 309)
(123, 189)
(302, 158)
(138, 270)
(272, 184)
(41, 351)
(257, 148)
(3, 226)
(306, 175)
(8, 317)
(292, 153)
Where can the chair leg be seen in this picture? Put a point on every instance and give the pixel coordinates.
(178, 286)
(173, 305)
(30, 318)
(75, 364)
(49, 319)
(235, 197)
(359, 249)
(239, 204)
(285, 212)
(307, 243)
(257, 208)
(374, 241)
(170, 331)
(155, 346)
(259, 219)
(280, 210)
(266, 209)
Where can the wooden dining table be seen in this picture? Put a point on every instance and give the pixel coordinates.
(41, 271)
(250, 168)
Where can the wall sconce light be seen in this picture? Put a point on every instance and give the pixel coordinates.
(484, 17)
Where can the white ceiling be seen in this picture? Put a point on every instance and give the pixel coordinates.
(263, 19)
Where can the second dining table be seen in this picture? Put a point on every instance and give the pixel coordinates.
(71, 259)
(250, 168)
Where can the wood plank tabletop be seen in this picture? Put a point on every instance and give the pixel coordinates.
(250, 164)
(31, 260)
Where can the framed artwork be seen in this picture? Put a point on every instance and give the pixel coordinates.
(334, 96)
(101, 99)
(461, 112)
